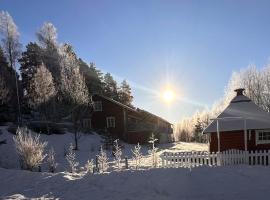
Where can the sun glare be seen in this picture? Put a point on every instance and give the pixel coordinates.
(168, 95)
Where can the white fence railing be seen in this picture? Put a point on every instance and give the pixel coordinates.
(229, 157)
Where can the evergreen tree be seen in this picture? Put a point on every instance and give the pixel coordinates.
(93, 77)
(110, 87)
(125, 96)
(31, 59)
(12, 49)
(198, 129)
(8, 98)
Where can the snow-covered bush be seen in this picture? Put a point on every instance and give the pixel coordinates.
(89, 166)
(51, 161)
(137, 155)
(117, 152)
(29, 148)
(153, 151)
(71, 159)
(102, 161)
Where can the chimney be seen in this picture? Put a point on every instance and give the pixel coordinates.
(239, 91)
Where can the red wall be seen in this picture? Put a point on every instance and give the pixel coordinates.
(235, 140)
(109, 109)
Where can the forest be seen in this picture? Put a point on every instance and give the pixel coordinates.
(46, 79)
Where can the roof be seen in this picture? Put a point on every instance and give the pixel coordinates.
(148, 113)
(118, 103)
(137, 110)
(233, 118)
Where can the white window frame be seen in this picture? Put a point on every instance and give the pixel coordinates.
(259, 139)
(87, 123)
(97, 105)
(110, 122)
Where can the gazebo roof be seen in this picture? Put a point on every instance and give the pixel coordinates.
(241, 108)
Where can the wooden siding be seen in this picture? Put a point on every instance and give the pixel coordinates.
(235, 140)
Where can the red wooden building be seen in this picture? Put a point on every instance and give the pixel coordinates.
(242, 125)
(132, 125)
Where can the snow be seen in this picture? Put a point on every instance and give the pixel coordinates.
(235, 182)
(89, 146)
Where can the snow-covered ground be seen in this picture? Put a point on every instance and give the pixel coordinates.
(89, 145)
(230, 182)
(233, 183)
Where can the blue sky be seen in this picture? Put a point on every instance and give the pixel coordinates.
(193, 46)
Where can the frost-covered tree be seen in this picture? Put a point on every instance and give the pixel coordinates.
(103, 164)
(47, 38)
(73, 89)
(110, 87)
(117, 152)
(71, 159)
(29, 148)
(51, 161)
(124, 93)
(73, 86)
(137, 155)
(153, 152)
(41, 91)
(47, 35)
(11, 46)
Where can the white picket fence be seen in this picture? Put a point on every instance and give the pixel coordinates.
(229, 157)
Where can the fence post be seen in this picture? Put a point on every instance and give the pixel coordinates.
(97, 169)
(162, 159)
(126, 162)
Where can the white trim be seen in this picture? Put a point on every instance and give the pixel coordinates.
(110, 122)
(258, 141)
(97, 106)
(87, 123)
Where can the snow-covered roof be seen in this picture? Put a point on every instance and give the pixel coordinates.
(241, 108)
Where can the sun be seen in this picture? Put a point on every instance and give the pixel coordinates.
(168, 95)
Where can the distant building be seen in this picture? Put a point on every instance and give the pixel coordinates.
(132, 125)
(242, 125)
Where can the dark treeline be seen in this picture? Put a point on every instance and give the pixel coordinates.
(51, 81)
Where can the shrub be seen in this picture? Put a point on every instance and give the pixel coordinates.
(117, 152)
(71, 159)
(137, 155)
(102, 160)
(29, 148)
(51, 161)
(89, 166)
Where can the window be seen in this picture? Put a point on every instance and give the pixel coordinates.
(263, 137)
(110, 122)
(97, 106)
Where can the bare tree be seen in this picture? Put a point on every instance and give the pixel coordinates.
(12, 47)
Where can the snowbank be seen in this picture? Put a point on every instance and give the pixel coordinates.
(236, 182)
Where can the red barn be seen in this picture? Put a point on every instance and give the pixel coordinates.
(242, 125)
(132, 125)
